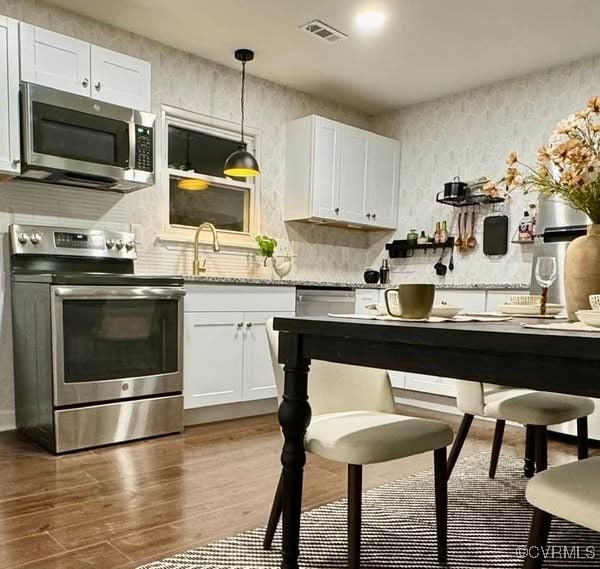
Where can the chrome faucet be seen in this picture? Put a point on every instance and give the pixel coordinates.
(200, 267)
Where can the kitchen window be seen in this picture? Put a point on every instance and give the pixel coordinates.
(196, 149)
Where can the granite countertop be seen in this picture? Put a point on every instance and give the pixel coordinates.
(202, 279)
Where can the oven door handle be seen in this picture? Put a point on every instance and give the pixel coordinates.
(108, 292)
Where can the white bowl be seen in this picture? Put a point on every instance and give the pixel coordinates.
(445, 310)
(595, 301)
(530, 309)
(589, 317)
(526, 299)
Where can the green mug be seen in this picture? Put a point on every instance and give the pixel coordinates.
(411, 300)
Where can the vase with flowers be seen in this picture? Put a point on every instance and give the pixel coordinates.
(568, 168)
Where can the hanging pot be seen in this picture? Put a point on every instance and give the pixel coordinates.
(455, 188)
(582, 271)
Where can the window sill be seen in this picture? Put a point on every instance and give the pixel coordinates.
(226, 241)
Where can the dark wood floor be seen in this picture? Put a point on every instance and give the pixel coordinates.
(121, 506)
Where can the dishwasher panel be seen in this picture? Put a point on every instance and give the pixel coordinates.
(323, 301)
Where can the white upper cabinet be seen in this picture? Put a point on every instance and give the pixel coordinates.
(326, 189)
(341, 174)
(383, 168)
(353, 175)
(120, 79)
(68, 64)
(55, 60)
(9, 97)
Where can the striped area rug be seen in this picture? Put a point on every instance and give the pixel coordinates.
(488, 523)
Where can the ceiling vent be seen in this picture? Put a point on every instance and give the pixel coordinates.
(323, 31)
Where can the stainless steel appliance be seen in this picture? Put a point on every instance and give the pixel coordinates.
(97, 350)
(77, 141)
(324, 300)
(557, 225)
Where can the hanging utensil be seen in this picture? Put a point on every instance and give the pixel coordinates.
(472, 240)
(465, 231)
(459, 241)
(440, 268)
(451, 263)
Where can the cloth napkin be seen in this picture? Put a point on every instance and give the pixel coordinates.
(433, 319)
(545, 316)
(567, 326)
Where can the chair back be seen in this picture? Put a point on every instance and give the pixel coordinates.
(471, 396)
(335, 388)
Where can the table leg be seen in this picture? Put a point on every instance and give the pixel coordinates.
(294, 418)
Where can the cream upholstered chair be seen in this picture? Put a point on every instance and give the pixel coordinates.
(534, 409)
(355, 422)
(570, 492)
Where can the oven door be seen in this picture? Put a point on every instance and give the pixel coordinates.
(112, 343)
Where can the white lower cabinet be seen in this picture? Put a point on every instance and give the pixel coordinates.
(227, 358)
(258, 381)
(226, 353)
(213, 358)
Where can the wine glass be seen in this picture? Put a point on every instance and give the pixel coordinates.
(545, 275)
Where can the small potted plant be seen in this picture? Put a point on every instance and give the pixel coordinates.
(267, 246)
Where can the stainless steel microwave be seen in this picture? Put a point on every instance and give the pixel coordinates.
(77, 141)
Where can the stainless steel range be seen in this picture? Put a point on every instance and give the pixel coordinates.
(97, 349)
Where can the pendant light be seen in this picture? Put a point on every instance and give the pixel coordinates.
(190, 184)
(241, 163)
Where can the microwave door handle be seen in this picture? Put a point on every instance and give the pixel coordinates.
(131, 161)
(119, 292)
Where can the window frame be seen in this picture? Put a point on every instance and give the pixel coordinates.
(223, 129)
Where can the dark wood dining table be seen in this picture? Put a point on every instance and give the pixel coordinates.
(495, 352)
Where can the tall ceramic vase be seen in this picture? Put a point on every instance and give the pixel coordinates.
(582, 271)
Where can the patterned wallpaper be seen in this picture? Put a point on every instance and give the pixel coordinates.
(470, 135)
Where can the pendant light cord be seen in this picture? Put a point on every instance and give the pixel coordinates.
(242, 102)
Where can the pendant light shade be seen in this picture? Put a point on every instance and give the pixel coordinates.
(242, 163)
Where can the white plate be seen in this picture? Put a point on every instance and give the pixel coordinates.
(529, 310)
(589, 317)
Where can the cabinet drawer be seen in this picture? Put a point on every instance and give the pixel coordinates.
(219, 298)
(431, 384)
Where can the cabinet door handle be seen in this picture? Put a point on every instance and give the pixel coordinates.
(98, 86)
(15, 162)
(240, 324)
(249, 325)
(373, 215)
(337, 210)
(85, 82)
(368, 216)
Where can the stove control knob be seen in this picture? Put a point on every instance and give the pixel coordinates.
(35, 238)
(130, 245)
(110, 243)
(23, 238)
(120, 244)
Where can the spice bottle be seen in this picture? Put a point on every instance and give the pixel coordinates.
(384, 272)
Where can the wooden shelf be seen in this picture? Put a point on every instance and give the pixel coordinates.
(400, 249)
(477, 199)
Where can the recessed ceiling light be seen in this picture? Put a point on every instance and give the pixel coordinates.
(369, 21)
